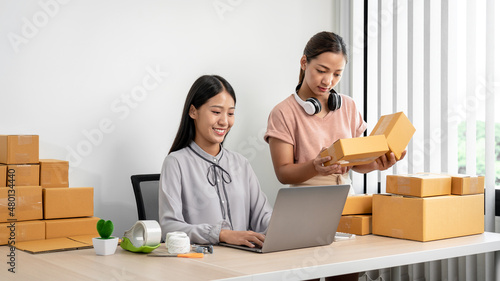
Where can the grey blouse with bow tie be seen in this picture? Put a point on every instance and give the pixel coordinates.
(201, 194)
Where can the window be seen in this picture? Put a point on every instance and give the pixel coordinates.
(435, 61)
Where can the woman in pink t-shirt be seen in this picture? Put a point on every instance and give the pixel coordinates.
(299, 129)
(297, 137)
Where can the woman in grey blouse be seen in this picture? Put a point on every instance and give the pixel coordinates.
(207, 191)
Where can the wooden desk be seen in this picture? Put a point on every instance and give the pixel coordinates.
(355, 255)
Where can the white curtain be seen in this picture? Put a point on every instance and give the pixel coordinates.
(438, 62)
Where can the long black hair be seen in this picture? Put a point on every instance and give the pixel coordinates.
(203, 89)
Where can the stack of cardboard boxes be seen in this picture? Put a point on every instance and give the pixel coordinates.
(425, 207)
(357, 215)
(36, 203)
(421, 207)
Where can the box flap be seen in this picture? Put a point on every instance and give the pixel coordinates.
(51, 245)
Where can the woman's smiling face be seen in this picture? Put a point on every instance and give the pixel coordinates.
(213, 120)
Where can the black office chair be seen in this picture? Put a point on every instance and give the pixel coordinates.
(146, 189)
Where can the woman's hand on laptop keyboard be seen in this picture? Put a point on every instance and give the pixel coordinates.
(247, 238)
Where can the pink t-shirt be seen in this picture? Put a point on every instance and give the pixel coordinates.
(309, 133)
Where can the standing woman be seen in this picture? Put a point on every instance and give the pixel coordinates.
(207, 191)
(314, 117)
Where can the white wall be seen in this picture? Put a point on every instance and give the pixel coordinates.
(103, 82)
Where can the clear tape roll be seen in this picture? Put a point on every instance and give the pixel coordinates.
(144, 233)
(178, 243)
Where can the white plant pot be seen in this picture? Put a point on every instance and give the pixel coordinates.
(104, 247)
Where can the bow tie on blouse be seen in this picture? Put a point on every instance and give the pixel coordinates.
(212, 174)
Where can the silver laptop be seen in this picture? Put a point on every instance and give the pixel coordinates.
(303, 217)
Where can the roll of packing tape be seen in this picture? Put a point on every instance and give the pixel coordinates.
(178, 243)
(144, 233)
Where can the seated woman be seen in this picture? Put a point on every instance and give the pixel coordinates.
(207, 191)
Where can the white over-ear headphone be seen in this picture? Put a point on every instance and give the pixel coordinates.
(312, 105)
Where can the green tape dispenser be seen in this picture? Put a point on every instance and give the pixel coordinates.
(144, 237)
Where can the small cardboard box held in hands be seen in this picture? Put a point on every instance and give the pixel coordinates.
(398, 131)
(356, 151)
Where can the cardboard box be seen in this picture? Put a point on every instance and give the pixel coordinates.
(358, 204)
(356, 224)
(3, 175)
(54, 245)
(356, 151)
(54, 173)
(71, 227)
(22, 231)
(398, 131)
(26, 175)
(430, 218)
(19, 149)
(68, 202)
(464, 184)
(21, 203)
(419, 185)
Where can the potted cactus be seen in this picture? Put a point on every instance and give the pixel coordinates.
(106, 244)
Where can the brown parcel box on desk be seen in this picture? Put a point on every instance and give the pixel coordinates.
(27, 200)
(430, 218)
(419, 185)
(358, 204)
(3, 175)
(356, 151)
(26, 175)
(464, 184)
(71, 227)
(356, 224)
(21, 231)
(19, 149)
(54, 173)
(68, 202)
(398, 131)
